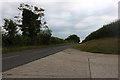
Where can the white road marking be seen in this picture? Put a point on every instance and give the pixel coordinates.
(11, 57)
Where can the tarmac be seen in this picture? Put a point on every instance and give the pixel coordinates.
(70, 63)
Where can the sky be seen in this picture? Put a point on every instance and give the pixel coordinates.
(67, 17)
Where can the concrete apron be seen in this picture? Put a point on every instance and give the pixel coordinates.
(69, 63)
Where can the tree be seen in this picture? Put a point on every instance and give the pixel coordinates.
(73, 38)
(32, 20)
(11, 28)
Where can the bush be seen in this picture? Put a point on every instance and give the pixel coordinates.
(55, 40)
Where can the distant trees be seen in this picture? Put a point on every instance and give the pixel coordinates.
(109, 30)
(73, 38)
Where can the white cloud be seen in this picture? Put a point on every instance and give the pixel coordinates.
(95, 21)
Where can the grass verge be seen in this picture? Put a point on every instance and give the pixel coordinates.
(105, 45)
(21, 48)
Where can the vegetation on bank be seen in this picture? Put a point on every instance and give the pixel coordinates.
(107, 31)
(104, 40)
(103, 45)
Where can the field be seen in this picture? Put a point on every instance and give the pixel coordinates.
(105, 45)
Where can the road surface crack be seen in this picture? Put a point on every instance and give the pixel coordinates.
(89, 68)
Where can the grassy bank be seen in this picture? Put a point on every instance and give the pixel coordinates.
(105, 45)
(21, 48)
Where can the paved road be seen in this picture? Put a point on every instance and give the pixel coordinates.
(15, 59)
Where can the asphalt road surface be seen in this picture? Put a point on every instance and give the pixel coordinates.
(12, 60)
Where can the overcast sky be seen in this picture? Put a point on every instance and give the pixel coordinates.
(66, 17)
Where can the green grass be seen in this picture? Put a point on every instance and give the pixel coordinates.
(105, 45)
(21, 48)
